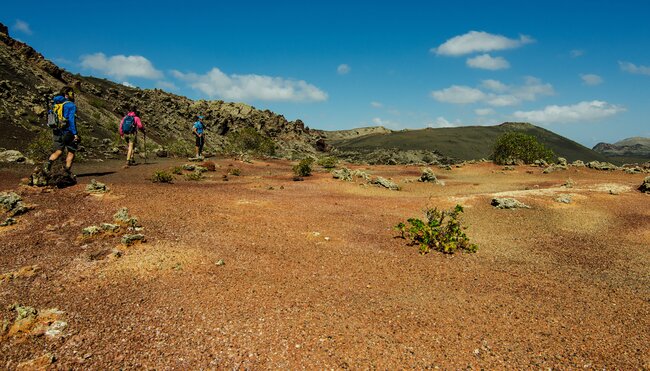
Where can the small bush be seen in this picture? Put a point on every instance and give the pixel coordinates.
(303, 168)
(513, 147)
(194, 176)
(440, 231)
(251, 141)
(329, 162)
(161, 176)
(178, 170)
(235, 172)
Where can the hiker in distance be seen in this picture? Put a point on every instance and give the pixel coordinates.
(61, 119)
(129, 127)
(198, 130)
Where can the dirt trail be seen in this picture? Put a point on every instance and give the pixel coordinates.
(314, 276)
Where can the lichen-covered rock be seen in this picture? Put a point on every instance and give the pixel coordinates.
(385, 183)
(565, 199)
(122, 217)
(428, 176)
(562, 161)
(8, 222)
(645, 186)
(601, 165)
(9, 200)
(91, 231)
(12, 156)
(578, 163)
(342, 174)
(107, 227)
(96, 187)
(200, 169)
(508, 203)
(130, 239)
(554, 167)
(38, 178)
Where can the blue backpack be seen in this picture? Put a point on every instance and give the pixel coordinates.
(128, 125)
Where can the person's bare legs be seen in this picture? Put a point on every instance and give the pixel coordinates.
(68, 161)
(129, 153)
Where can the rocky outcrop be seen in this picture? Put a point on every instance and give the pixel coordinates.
(508, 203)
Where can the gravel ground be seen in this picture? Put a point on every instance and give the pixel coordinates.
(260, 271)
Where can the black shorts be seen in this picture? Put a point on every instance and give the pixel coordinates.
(131, 137)
(65, 141)
(200, 140)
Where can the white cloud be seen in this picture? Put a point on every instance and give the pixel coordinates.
(23, 27)
(501, 95)
(583, 111)
(121, 66)
(376, 104)
(244, 87)
(458, 95)
(487, 62)
(343, 69)
(479, 41)
(484, 111)
(128, 84)
(591, 79)
(633, 68)
(575, 53)
(441, 122)
(494, 85)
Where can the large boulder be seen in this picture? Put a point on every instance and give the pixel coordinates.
(12, 156)
(385, 183)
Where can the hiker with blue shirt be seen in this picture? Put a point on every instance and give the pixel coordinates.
(64, 130)
(129, 127)
(198, 130)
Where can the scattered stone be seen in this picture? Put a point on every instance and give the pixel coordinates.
(633, 170)
(645, 186)
(32, 322)
(342, 174)
(569, 183)
(12, 156)
(189, 167)
(509, 168)
(565, 199)
(562, 162)
(298, 178)
(508, 203)
(91, 231)
(428, 176)
(540, 163)
(209, 166)
(578, 163)
(62, 180)
(130, 239)
(385, 183)
(220, 262)
(9, 200)
(8, 222)
(360, 174)
(614, 192)
(96, 187)
(445, 167)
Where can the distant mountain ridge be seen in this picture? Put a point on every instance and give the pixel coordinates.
(635, 149)
(463, 143)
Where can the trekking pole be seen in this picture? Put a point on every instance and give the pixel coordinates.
(144, 134)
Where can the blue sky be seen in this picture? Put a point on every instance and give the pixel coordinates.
(578, 68)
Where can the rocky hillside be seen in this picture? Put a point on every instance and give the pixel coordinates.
(334, 135)
(28, 81)
(631, 149)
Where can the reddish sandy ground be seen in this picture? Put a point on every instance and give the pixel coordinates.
(315, 278)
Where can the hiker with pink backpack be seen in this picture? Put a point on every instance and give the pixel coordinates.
(129, 127)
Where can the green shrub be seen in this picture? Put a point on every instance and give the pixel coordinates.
(195, 175)
(440, 231)
(40, 148)
(329, 162)
(178, 170)
(235, 172)
(513, 147)
(251, 141)
(303, 168)
(161, 176)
